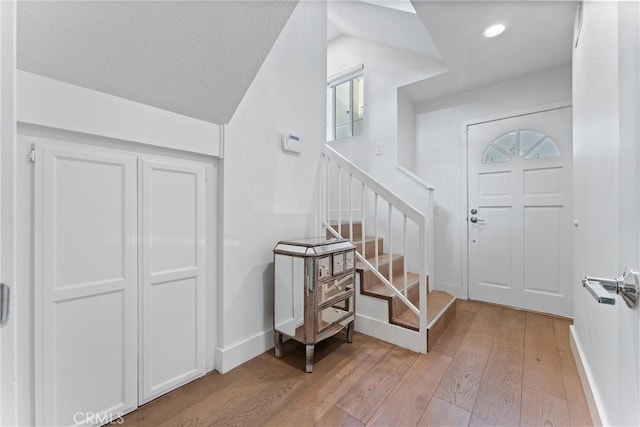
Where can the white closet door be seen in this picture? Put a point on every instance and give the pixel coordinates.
(172, 298)
(85, 285)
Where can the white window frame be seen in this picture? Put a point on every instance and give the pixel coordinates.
(344, 76)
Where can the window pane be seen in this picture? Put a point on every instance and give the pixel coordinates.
(507, 142)
(343, 116)
(493, 155)
(547, 148)
(358, 105)
(528, 139)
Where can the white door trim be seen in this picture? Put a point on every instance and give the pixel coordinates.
(9, 410)
(464, 243)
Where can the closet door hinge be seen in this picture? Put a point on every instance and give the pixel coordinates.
(32, 155)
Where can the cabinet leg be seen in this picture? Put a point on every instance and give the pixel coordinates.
(310, 350)
(277, 341)
(350, 332)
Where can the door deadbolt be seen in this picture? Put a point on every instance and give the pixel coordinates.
(474, 211)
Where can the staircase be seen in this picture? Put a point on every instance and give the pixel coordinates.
(393, 234)
(441, 307)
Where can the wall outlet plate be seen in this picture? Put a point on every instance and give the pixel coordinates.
(379, 150)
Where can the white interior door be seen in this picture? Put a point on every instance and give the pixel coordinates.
(519, 201)
(606, 90)
(85, 285)
(8, 330)
(172, 330)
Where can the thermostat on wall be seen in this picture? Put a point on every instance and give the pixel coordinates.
(291, 143)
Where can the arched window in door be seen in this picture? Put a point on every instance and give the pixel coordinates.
(523, 143)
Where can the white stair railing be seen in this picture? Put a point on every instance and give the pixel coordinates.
(400, 216)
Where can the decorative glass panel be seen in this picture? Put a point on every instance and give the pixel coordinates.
(528, 140)
(494, 155)
(547, 148)
(507, 142)
(530, 144)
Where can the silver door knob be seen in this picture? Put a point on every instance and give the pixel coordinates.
(474, 219)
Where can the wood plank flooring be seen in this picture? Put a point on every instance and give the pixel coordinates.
(492, 366)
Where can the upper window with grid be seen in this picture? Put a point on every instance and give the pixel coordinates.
(346, 103)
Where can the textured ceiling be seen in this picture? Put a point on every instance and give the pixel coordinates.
(192, 58)
(538, 36)
(381, 22)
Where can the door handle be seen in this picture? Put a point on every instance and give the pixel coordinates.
(4, 303)
(475, 220)
(627, 286)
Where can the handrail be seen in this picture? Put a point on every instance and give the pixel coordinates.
(414, 214)
(415, 178)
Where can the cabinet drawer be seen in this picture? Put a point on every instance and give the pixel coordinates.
(349, 260)
(338, 314)
(324, 267)
(338, 263)
(334, 289)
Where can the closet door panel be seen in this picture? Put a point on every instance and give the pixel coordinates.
(172, 254)
(85, 265)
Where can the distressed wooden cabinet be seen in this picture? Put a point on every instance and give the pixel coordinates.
(314, 298)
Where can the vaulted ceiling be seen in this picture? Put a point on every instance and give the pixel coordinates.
(198, 58)
(193, 58)
(538, 36)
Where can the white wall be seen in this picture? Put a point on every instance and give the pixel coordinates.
(385, 70)
(606, 190)
(440, 156)
(270, 195)
(47, 102)
(406, 131)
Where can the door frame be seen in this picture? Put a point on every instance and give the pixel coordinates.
(9, 333)
(464, 173)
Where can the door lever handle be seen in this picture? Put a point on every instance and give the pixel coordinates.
(627, 286)
(474, 219)
(4, 304)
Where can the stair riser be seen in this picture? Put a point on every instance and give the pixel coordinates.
(371, 279)
(370, 248)
(357, 230)
(435, 332)
(397, 307)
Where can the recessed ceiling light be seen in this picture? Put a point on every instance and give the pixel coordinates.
(494, 30)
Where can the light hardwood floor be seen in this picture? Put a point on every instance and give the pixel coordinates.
(491, 366)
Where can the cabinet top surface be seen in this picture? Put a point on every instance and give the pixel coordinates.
(312, 246)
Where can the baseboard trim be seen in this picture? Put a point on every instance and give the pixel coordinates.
(391, 333)
(594, 402)
(231, 357)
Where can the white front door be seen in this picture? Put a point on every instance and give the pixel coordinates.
(85, 285)
(172, 297)
(519, 210)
